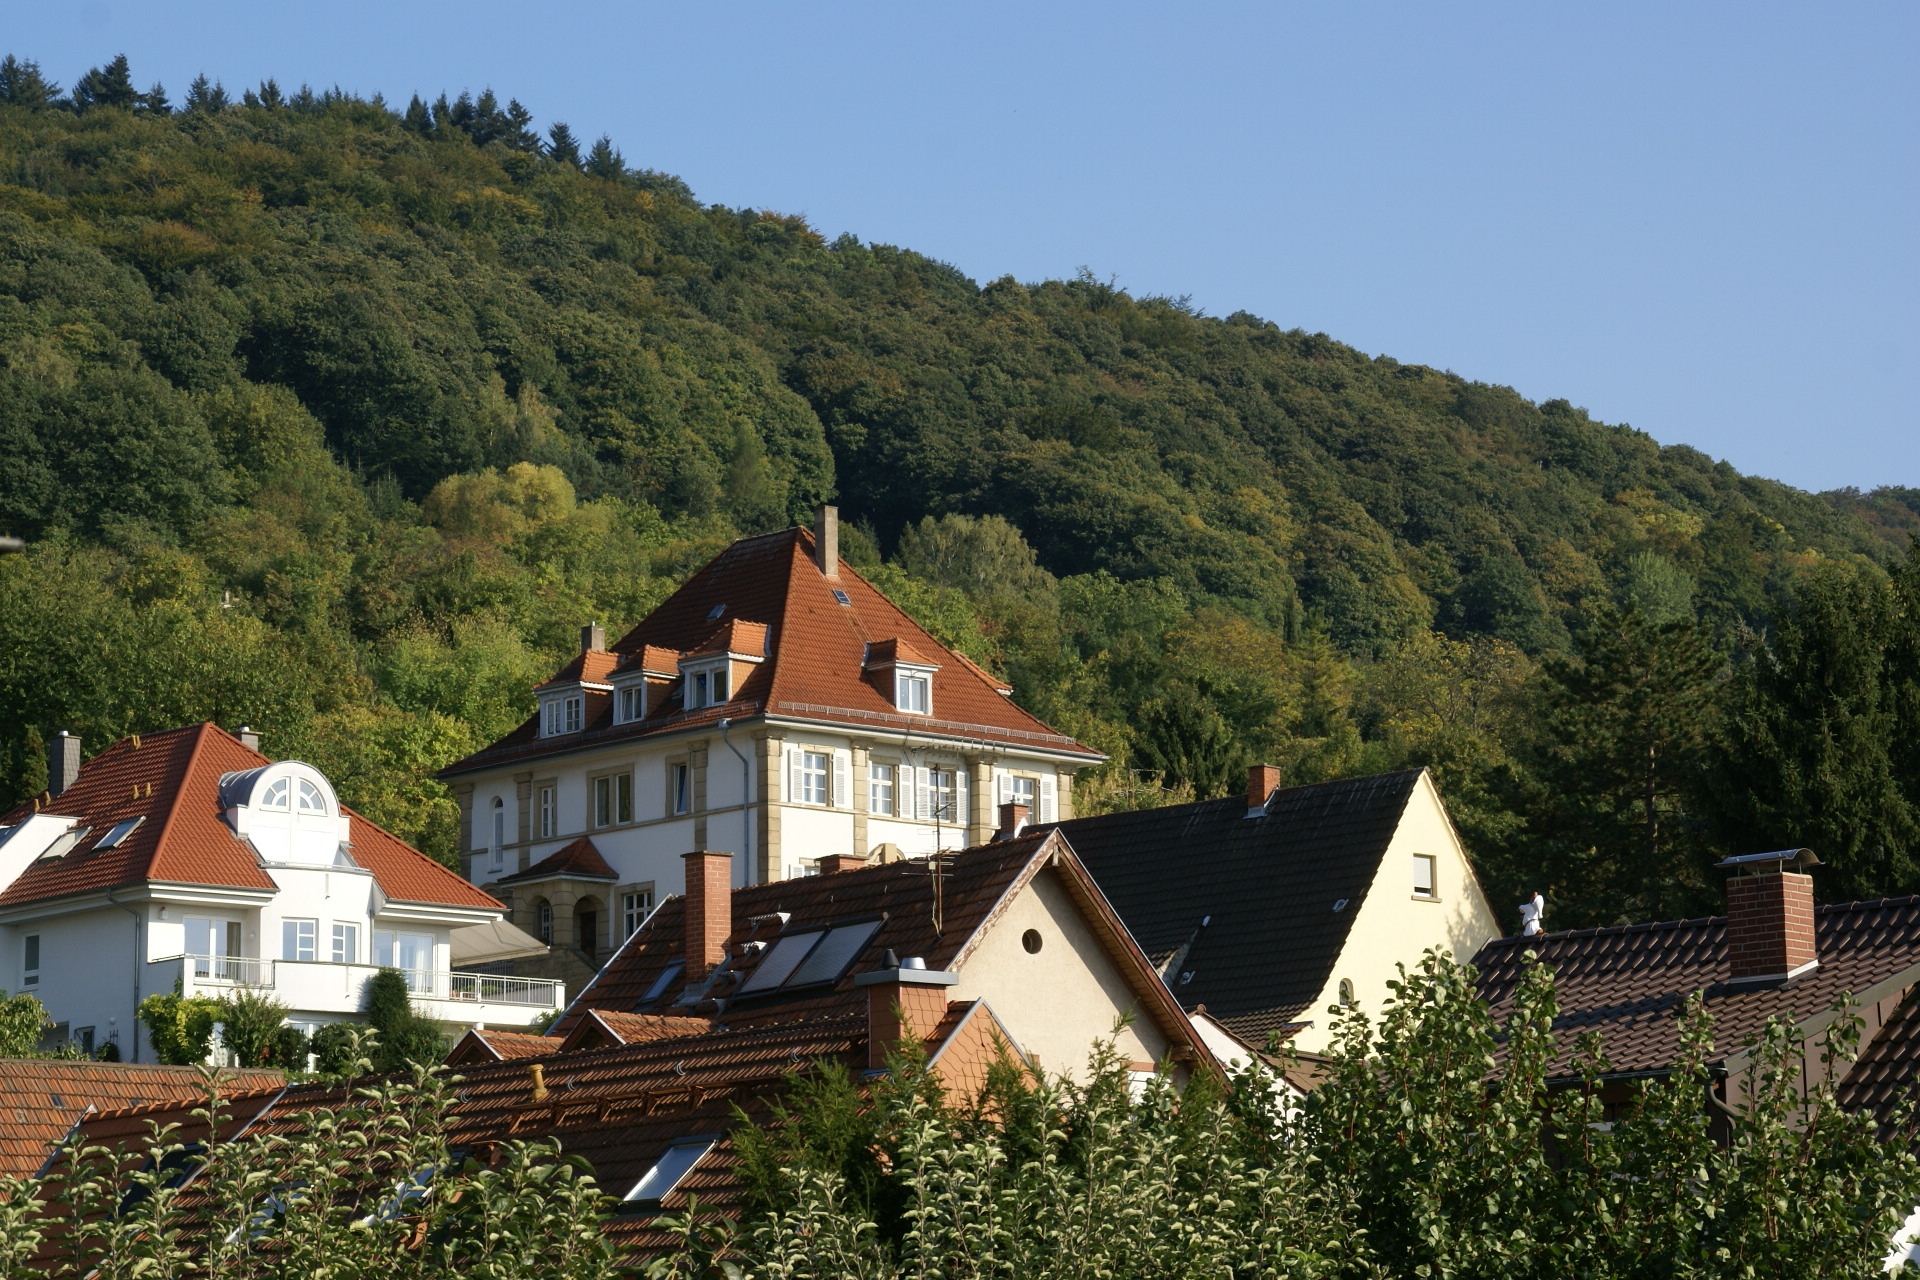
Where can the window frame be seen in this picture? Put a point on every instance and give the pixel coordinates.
(950, 808)
(634, 914)
(499, 841)
(549, 811)
(347, 932)
(700, 1145)
(31, 948)
(291, 930)
(807, 774)
(908, 680)
(889, 806)
(679, 788)
(1432, 865)
(574, 707)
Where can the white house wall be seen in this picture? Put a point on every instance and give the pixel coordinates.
(1395, 927)
(1061, 999)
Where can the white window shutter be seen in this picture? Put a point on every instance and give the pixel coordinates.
(795, 787)
(963, 811)
(840, 800)
(1046, 798)
(922, 807)
(1003, 787)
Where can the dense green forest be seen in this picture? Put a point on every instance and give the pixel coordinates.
(339, 418)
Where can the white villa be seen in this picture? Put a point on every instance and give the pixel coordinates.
(776, 706)
(187, 860)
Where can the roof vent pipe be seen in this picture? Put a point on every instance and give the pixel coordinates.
(593, 638)
(826, 539)
(1770, 934)
(63, 762)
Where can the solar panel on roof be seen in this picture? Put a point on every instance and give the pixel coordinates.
(781, 961)
(836, 951)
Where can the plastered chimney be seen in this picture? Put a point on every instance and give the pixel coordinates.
(1262, 781)
(63, 762)
(593, 638)
(907, 1001)
(826, 540)
(709, 911)
(249, 737)
(1770, 916)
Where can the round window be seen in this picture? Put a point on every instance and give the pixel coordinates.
(1031, 941)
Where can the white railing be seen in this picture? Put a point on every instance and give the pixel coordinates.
(326, 984)
(234, 971)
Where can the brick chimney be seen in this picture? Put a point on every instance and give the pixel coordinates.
(709, 911)
(1262, 781)
(906, 1001)
(1013, 820)
(834, 863)
(63, 762)
(593, 638)
(1770, 916)
(826, 539)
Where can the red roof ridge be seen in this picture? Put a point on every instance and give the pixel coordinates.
(172, 801)
(579, 856)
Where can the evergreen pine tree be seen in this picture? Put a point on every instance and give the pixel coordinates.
(1628, 725)
(270, 96)
(604, 161)
(108, 86)
(562, 145)
(1819, 752)
(418, 118)
(22, 85)
(154, 101)
(206, 97)
(520, 133)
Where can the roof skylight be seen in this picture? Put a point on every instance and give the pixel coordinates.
(121, 830)
(842, 596)
(716, 611)
(661, 983)
(674, 1164)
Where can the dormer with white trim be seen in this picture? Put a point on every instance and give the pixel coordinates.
(287, 811)
(563, 699)
(642, 681)
(713, 671)
(903, 674)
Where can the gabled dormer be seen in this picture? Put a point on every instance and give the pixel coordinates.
(713, 671)
(643, 681)
(903, 674)
(563, 699)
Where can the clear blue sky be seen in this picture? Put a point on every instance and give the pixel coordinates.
(1700, 219)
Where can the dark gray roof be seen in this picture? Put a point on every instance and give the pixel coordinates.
(1266, 886)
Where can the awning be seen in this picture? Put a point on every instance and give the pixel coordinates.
(494, 940)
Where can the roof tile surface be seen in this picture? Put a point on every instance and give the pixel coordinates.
(578, 858)
(40, 1099)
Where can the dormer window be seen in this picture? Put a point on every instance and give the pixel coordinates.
(913, 691)
(709, 687)
(276, 797)
(630, 703)
(563, 715)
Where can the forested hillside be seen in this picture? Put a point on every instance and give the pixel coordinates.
(339, 419)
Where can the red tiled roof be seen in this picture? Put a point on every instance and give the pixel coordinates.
(1628, 982)
(172, 779)
(598, 1028)
(734, 636)
(592, 666)
(816, 648)
(882, 652)
(40, 1099)
(578, 858)
(484, 1044)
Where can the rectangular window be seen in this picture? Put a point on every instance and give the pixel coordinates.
(913, 691)
(679, 788)
(1023, 791)
(719, 688)
(623, 797)
(30, 961)
(880, 784)
(554, 724)
(635, 905)
(573, 704)
(547, 820)
(613, 800)
(942, 792)
(1424, 885)
(214, 946)
(410, 953)
(346, 942)
(298, 939)
(813, 777)
(699, 690)
(632, 700)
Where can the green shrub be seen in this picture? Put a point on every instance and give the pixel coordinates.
(251, 1023)
(406, 1037)
(180, 1028)
(23, 1020)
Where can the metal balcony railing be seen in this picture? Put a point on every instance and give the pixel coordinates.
(239, 971)
(310, 977)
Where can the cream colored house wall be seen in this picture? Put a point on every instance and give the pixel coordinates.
(1058, 1002)
(1394, 927)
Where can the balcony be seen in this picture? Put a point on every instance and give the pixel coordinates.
(335, 990)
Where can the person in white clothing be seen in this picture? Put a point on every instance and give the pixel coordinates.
(1530, 912)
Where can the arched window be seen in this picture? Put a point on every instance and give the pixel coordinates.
(276, 797)
(311, 801)
(1346, 991)
(543, 921)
